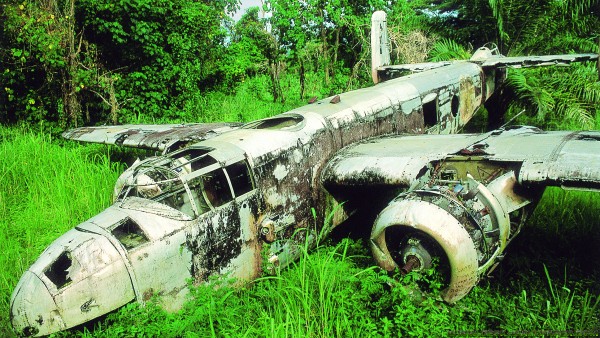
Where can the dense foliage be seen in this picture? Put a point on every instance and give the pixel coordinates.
(67, 63)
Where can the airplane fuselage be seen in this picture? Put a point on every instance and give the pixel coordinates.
(209, 208)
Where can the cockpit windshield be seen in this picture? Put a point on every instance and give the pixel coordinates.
(190, 180)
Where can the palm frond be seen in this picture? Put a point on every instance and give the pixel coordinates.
(446, 49)
(570, 96)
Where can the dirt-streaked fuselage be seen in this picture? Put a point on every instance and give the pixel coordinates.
(218, 201)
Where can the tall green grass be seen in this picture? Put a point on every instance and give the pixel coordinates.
(252, 99)
(45, 190)
(546, 286)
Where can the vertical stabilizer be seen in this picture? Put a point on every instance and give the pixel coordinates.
(380, 49)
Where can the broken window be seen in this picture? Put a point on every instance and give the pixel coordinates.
(197, 190)
(58, 271)
(129, 234)
(216, 188)
(454, 105)
(178, 200)
(160, 185)
(241, 182)
(430, 117)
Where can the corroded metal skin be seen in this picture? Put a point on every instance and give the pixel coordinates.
(462, 189)
(220, 195)
(156, 246)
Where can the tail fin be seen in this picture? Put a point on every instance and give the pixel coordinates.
(487, 58)
(380, 49)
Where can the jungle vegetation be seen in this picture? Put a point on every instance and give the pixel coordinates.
(67, 63)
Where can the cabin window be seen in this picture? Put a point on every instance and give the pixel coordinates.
(163, 186)
(216, 188)
(430, 117)
(130, 234)
(58, 271)
(196, 186)
(454, 106)
(239, 175)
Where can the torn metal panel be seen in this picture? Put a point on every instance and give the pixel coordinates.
(414, 67)
(69, 284)
(154, 137)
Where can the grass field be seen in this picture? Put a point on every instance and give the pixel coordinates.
(547, 285)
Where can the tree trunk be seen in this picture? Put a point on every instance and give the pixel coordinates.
(274, 70)
(72, 106)
(325, 49)
(336, 47)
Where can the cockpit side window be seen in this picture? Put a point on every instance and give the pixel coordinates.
(216, 188)
(58, 271)
(129, 234)
(240, 178)
(197, 190)
(178, 200)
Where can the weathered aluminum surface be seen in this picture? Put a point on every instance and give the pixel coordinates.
(499, 62)
(154, 137)
(94, 262)
(568, 159)
(380, 48)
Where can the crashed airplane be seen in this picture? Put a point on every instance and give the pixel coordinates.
(220, 196)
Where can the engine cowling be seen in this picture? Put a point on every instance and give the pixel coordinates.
(465, 227)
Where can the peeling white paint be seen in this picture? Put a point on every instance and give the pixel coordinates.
(297, 156)
(280, 172)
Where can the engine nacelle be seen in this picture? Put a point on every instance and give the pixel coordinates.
(467, 229)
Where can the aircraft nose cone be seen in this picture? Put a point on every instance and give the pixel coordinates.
(32, 309)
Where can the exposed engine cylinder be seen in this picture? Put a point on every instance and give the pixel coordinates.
(465, 229)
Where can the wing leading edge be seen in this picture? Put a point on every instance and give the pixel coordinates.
(153, 137)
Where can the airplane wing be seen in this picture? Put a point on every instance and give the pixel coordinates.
(567, 159)
(153, 137)
(459, 198)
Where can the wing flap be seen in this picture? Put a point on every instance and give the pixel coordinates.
(154, 137)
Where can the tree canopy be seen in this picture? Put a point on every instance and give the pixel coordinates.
(68, 63)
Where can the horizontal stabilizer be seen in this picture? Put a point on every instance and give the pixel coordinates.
(535, 61)
(415, 67)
